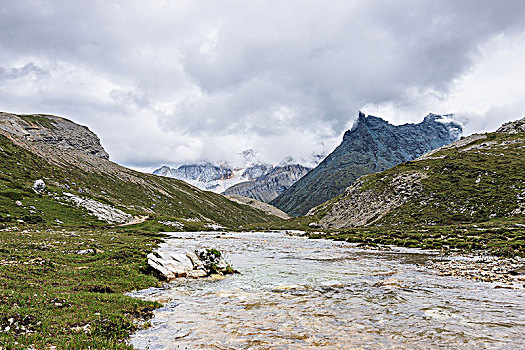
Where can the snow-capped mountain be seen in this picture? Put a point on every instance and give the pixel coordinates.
(210, 177)
(269, 185)
(255, 179)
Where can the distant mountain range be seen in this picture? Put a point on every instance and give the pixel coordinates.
(269, 185)
(250, 178)
(372, 145)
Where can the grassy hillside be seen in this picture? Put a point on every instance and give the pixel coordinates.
(481, 181)
(131, 191)
(468, 195)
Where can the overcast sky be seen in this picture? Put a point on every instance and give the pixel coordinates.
(170, 82)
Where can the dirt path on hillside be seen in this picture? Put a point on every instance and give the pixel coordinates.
(136, 220)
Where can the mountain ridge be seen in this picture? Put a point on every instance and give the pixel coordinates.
(52, 130)
(371, 145)
(477, 178)
(268, 186)
(254, 180)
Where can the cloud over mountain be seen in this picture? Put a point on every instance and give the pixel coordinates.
(171, 82)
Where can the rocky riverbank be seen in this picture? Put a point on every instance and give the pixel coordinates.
(505, 272)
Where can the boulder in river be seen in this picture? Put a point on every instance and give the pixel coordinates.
(201, 263)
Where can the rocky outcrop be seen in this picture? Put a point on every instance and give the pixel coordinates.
(513, 127)
(102, 211)
(268, 186)
(39, 186)
(259, 205)
(52, 130)
(200, 263)
(372, 145)
(360, 206)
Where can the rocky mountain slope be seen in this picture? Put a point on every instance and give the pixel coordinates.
(269, 185)
(52, 130)
(80, 182)
(259, 205)
(372, 145)
(475, 179)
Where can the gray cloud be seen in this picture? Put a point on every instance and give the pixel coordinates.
(171, 82)
(28, 69)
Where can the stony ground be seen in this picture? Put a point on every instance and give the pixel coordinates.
(506, 272)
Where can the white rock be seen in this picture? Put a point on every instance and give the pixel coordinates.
(102, 211)
(186, 264)
(197, 263)
(197, 273)
(85, 251)
(158, 264)
(183, 260)
(39, 186)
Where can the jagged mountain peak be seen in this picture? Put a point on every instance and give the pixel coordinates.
(447, 119)
(162, 171)
(479, 166)
(249, 154)
(365, 123)
(371, 145)
(287, 160)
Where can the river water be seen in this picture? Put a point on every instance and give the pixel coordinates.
(296, 293)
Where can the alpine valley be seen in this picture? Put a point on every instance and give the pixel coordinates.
(291, 175)
(93, 253)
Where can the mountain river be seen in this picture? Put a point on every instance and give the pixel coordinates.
(297, 293)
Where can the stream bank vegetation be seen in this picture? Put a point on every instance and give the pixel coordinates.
(63, 288)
